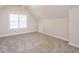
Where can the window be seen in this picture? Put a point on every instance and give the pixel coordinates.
(17, 21)
(22, 21)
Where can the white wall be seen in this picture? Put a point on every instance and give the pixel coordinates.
(54, 27)
(52, 20)
(4, 21)
(74, 26)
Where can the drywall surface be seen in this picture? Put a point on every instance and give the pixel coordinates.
(5, 21)
(50, 11)
(54, 27)
(74, 26)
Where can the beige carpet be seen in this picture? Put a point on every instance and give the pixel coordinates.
(34, 43)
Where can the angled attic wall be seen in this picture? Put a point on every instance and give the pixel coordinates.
(50, 11)
(51, 21)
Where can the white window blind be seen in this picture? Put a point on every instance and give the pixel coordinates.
(18, 21)
(13, 21)
(22, 21)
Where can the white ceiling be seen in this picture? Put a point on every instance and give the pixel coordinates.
(51, 11)
(47, 11)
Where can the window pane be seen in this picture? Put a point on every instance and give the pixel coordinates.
(13, 21)
(22, 21)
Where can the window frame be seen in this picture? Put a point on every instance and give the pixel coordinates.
(18, 22)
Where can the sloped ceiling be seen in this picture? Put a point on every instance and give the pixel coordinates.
(50, 11)
(47, 11)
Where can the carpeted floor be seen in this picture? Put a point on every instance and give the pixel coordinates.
(34, 43)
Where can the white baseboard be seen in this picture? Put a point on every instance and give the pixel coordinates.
(55, 36)
(60, 37)
(72, 44)
(17, 34)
